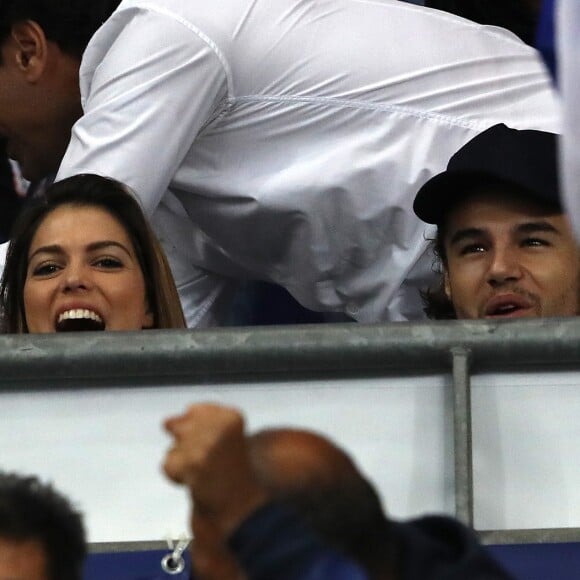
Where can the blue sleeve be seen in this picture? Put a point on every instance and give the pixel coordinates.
(545, 37)
(274, 543)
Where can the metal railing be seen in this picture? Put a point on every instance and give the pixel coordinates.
(335, 350)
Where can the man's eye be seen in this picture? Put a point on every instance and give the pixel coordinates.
(109, 263)
(45, 269)
(535, 242)
(471, 249)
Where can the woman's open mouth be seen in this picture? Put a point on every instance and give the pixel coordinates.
(79, 319)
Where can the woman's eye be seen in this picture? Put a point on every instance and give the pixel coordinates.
(45, 269)
(109, 263)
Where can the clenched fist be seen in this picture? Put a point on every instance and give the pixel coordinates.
(210, 456)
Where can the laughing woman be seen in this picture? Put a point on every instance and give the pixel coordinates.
(87, 259)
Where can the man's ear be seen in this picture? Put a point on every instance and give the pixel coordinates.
(31, 48)
(446, 284)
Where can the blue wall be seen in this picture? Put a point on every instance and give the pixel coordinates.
(525, 562)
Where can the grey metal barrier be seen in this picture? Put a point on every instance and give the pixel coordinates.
(336, 350)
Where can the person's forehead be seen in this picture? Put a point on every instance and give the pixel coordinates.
(484, 207)
(22, 560)
(63, 223)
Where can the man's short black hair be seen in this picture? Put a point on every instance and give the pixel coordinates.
(68, 23)
(31, 510)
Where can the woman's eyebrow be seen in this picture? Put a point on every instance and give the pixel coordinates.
(52, 249)
(100, 245)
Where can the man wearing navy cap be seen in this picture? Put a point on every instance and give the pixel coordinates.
(506, 249)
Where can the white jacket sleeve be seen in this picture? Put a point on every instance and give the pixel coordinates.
(149, 83)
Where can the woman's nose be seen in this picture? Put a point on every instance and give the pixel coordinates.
(76, 277)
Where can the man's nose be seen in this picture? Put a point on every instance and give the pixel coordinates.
(504, 267)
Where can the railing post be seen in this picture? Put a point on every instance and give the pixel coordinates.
(462, 436)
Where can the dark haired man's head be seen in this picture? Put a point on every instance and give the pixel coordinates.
(437, 301)
(505, 248)
(68, 23)
(508, 256)
(41, 44)
(323, 484)
(41, 534)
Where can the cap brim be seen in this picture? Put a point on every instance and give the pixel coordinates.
(437, 195)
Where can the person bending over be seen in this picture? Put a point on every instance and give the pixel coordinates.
(85, 258)
(273, 140)
(504, 246)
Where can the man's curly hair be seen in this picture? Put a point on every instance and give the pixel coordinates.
(436, 304)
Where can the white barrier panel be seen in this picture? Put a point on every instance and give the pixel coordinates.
(103, 446)
(526, 450)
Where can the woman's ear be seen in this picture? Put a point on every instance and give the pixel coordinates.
(148, 319)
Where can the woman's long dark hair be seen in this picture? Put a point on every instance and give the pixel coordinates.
(116, 199)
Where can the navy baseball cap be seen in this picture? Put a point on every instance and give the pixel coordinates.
(526, 159)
